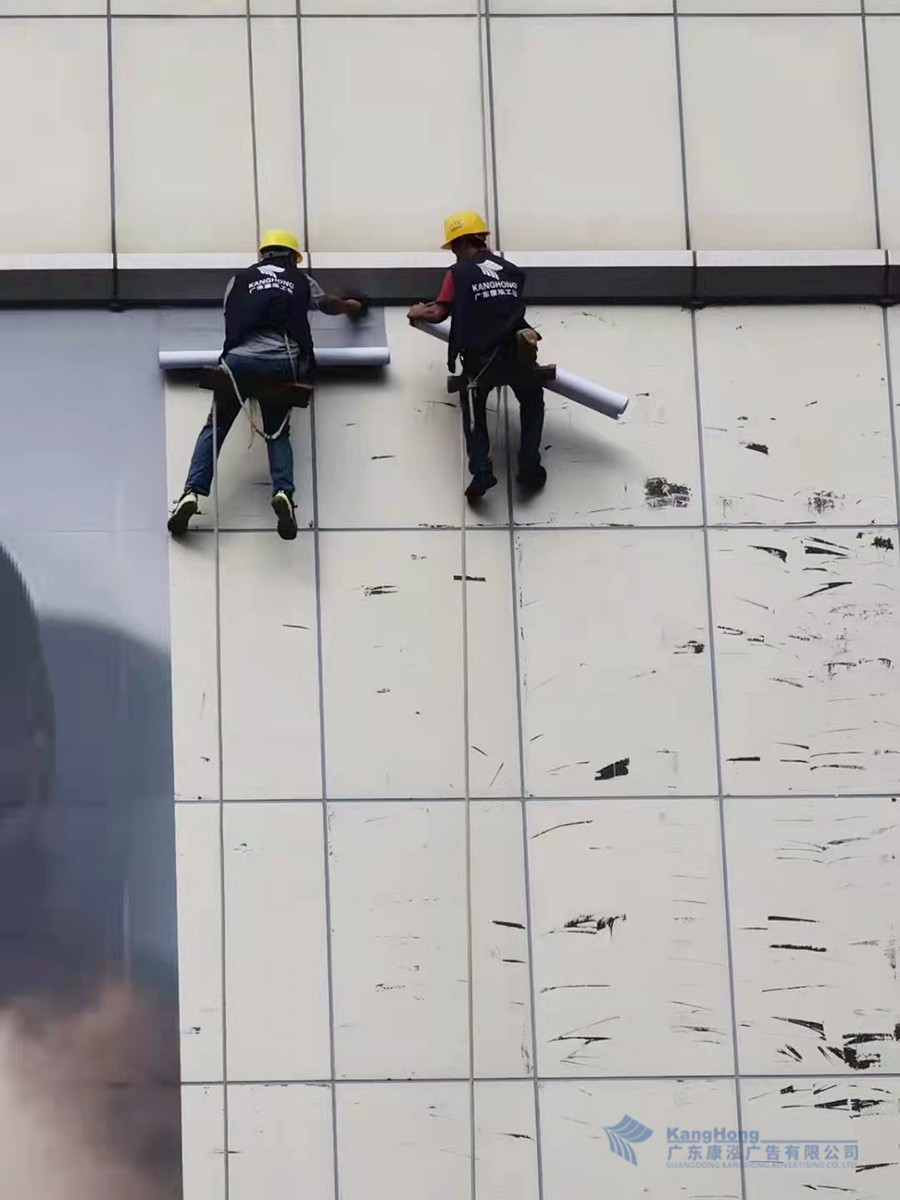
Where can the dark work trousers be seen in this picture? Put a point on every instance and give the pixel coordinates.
(281, 456)
(492, 372)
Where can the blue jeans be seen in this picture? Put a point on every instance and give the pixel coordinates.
(281, 456)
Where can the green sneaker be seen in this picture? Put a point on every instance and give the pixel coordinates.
(283, 504)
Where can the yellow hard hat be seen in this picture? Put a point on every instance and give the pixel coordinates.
(279, 237)
(461, 224)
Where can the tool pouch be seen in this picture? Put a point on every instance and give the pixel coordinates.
(526, 347)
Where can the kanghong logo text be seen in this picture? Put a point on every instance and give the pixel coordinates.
(720, 1133)
(720, 1146)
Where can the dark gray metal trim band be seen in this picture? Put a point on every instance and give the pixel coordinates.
(682, 285)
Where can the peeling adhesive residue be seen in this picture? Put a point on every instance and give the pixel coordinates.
(613, 770)
(660, 493)
(821, 502)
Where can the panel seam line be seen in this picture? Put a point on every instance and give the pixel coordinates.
(714, 693)
(523, 801)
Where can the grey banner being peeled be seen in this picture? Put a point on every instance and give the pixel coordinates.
(88, 1045)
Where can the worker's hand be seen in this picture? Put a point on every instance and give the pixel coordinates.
(353, 309)
(418, 312)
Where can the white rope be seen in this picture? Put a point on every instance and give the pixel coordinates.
(245, 404)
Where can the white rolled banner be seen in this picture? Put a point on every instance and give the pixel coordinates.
(591, 395)
(573, 387)
(327, 356)
(441, 331)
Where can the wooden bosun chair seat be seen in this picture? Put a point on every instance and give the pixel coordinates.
(260, 387)
(457, 383)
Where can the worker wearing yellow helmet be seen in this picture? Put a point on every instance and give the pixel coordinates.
(266, 333)
(483, 294)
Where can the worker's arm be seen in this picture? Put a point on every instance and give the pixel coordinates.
(336, 306)
(437, 310)
(432, 311)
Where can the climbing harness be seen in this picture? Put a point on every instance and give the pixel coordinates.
(468, 386)
(246, 403)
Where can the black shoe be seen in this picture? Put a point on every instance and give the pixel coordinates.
(283, 505)
(534, 479)
(187, 507)
(481, 483)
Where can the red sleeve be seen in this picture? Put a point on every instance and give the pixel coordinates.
(445, 296)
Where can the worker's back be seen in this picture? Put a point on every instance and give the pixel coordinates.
(488, 301)
(272, 296)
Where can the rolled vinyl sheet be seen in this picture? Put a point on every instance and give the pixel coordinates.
(582, 391)
(326, 356)
(192, 338)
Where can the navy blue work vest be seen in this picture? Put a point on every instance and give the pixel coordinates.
(271, 296)
(488, 303)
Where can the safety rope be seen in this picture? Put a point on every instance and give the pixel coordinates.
(246, 404)
(471, 389)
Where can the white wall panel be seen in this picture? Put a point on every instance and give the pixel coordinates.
(195, 705)
(280, 1141)
(279, 143)
(814, 890)
(392, 645)
(823, 1109)
(771, 7)
(398, 913)
(388, 185)
(275, 928)
(884, 45)
(806, 629)
(501, 986)
(203, 1142)
(643, 469)
(780, 165)
(54, 142)
(580, 6)
(578, 1162)
(179, 8)
(776, 384)
(613, 625)
(52, 8)
(184, 160)
(505, 1141)
(566, 179)
(629, 938)
(270, 687)
(327, 8)
(198, 845)
(389, 449)
(402, 1141)
(494, 768)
